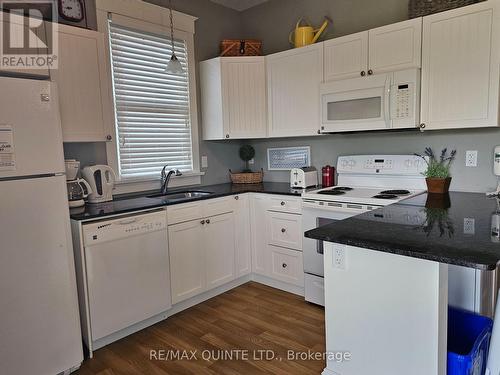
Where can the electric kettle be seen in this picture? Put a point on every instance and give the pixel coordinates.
(77, 190)
(101, 179)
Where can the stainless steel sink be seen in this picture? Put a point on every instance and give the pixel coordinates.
(181, 195)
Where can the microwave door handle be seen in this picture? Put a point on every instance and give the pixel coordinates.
(387, 101)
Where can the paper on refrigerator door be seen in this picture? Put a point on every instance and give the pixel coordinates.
(7, 154)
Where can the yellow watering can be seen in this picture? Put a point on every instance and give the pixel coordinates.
(306, 34)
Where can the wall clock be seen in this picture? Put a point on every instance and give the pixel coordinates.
(71, 10)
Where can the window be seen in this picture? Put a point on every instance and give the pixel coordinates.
(152, 108)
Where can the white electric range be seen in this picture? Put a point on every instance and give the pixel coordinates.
(365, 183)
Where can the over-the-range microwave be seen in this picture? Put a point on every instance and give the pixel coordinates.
(382, 101)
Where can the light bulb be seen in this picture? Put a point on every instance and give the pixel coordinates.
(174, 66)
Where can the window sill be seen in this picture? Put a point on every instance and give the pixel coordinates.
(132, 186)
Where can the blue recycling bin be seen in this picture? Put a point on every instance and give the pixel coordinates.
(468, 342)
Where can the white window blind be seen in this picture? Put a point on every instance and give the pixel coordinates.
(152, 107)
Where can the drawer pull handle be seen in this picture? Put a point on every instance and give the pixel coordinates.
(284, 265)
(282, 203)
(283, 230)
(208, 221)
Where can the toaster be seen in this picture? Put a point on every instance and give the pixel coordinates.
(303, 177)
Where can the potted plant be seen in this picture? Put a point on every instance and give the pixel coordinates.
(247, 153)
(437, 174)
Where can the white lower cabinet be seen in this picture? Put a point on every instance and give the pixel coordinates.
(219, 249)
(286, 265)
(203, 248)
(242, 228)
(277, 238)
(187, 260)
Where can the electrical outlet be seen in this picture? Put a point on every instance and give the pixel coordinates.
(471, 158)
(339, 258)
(251, 161)
(204, 161)
(469, 225)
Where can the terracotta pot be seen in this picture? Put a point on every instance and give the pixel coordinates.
(438, 185)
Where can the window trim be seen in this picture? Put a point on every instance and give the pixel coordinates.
(155, 19)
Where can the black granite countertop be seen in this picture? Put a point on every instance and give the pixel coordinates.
(135, 202)
(454, 229)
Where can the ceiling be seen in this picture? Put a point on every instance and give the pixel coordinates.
(239, 5)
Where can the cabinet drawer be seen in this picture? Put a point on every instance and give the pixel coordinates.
(285, 204)
(184, 212)
(286, 265)
(218, 206)
(285, 230)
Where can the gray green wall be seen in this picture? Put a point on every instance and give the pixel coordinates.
(214, 24)
(272, 22)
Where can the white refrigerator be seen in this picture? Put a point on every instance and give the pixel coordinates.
(39, 322)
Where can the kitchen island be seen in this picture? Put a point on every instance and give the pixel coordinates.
(391, 273)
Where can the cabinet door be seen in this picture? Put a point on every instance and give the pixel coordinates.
(460, 60)
(346, 57)
(260, 257)
(244, 97)
(187, 259)
(83, 85)
(219, 244)
(242, 228)
(395, 47)
(293, 91)
(23, 40)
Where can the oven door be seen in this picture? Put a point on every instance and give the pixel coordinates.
(313, 217)
(356, 104)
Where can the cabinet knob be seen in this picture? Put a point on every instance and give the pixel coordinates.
(370, 72)
(284, 265)
(363, 73)
(283, 230)
(227, 135)
(282, 203)
(236, 197)
(421, 127)
(202, 222)
(319, 131)
(109, 137)
(208, 221)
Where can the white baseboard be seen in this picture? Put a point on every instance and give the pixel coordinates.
(174, 310)
(192, 302)
(290, 288)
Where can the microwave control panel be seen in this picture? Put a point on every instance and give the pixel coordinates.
(405, 99)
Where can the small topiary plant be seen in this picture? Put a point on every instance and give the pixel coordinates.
(438, 168)
(247, 153)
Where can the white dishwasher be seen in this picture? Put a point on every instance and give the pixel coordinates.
(128, 274)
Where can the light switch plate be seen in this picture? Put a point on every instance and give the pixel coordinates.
(204, 161)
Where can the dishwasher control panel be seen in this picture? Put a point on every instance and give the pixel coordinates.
(122, 227)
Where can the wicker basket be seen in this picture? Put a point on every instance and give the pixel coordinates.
(247, 177)
(419, 8)
(243, 47)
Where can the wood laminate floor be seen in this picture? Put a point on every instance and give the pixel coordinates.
(250, 322)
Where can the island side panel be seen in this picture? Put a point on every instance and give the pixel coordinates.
(388, 311)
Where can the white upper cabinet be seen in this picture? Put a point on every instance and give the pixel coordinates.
(384, 49)
(293, 79)
(460, 67)
(346, 57)
(233, 98)
(395, 47)
(83, 82)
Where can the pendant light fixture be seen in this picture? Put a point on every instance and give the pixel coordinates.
(174, 66)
